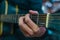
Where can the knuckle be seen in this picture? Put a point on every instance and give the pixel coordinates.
(31, 33)
(26, 20)
(35, 31)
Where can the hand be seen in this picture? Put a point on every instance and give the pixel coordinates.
(29, 28)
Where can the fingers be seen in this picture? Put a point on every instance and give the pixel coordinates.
(31, 24)
(28, 27)
(25, 33)
(40, 32)
(24, 27)
(33, 12)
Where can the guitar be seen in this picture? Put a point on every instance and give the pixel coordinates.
(51, 21)
(39, 19)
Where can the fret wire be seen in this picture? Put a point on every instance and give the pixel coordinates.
(37, 18)
(15, 18)
(34, 18)
(47, 19)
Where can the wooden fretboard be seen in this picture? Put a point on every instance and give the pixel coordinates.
(38, 19)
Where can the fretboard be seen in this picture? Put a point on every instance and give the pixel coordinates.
(39, 19)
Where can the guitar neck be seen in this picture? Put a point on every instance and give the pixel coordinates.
(38, 19)
(11, 18)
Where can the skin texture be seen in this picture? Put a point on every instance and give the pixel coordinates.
(29, 28)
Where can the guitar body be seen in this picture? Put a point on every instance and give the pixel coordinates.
(54, 27)
(54, 22)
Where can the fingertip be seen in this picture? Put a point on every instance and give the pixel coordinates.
(33, 12)
(30, 10)
(27, 15)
